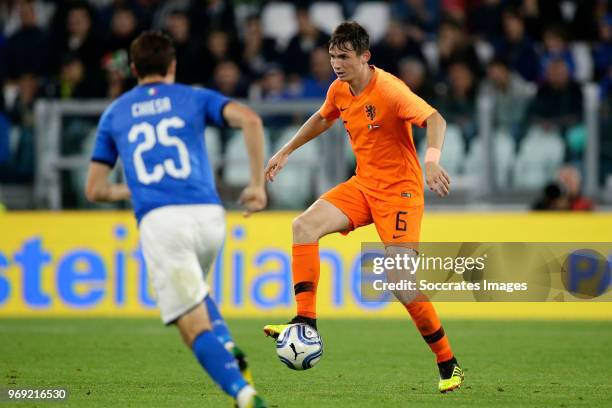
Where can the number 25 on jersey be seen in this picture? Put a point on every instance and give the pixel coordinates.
(152, 136)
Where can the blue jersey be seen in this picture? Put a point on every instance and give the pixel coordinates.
(158, 132)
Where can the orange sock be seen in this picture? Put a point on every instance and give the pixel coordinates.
(306, 266)
(427, 322)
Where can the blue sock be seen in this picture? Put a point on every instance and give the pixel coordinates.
(216, 320)
(218, 363)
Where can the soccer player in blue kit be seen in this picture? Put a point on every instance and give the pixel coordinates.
(157, 130)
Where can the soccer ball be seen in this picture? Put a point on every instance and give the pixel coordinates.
(299, 346)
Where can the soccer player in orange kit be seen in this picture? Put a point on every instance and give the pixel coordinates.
(378, 111)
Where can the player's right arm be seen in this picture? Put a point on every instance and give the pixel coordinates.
(99, 189)
(104, 157)
(253, 197)
(313, 127)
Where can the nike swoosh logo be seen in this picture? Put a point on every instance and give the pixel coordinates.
(398, 236)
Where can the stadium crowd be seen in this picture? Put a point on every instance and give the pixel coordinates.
(530, 56)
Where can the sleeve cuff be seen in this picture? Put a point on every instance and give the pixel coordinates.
(422, 121)
(109, 163)
(223, 122)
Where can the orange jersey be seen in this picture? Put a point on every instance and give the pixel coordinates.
(379, 124)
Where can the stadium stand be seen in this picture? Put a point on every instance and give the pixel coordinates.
(83, 56)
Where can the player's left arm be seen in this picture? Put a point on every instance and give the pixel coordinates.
(99, 189)
(410, 107)
(437, 178)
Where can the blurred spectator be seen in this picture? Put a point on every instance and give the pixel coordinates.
(605, 141)
(78, 37)
(20, 167)
(458, 105)
(565, 194)
(395, 45)
(484, 19)
(454, 9)
(228, 80)
(2, 103)
(211, 15)
(5, 128)
(414, 73)
(316, 84)
(605, 84)
(7, 11)
(517, 47)
(26, 48)
(75, 81)
(219, 47)
(3, 67)
(587, 12)
(420, 16)
(540, 14)
(258, 50)
(118, 78)
(166, 8)
(273, 87)
(22, 111)
(454, 45)
(510, 93)
(143, 10)
(57, 26)
(551, 199)
(570, 181)
(123, 29)
(10, 19)
(188, 55)
(555, 47)
(301, 45)
(602, 49)
(558, 102)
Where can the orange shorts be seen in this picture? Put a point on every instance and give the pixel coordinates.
(395, 222)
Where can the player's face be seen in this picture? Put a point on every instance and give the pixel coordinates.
(347, 65)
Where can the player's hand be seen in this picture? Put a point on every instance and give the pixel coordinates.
(437, 179)
(253, 199)
(276, 163)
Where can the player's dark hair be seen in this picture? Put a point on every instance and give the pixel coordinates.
(350, 34)
(152, 53)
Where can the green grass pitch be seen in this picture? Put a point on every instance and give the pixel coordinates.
(366, 363)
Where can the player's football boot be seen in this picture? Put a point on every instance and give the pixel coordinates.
(243, 365)
(451, 376)
(256, 402)
(274, 330)
(241, 358)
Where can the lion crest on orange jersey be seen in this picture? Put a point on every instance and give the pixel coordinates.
(370, 111)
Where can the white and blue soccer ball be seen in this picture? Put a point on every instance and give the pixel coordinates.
(299, 346)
